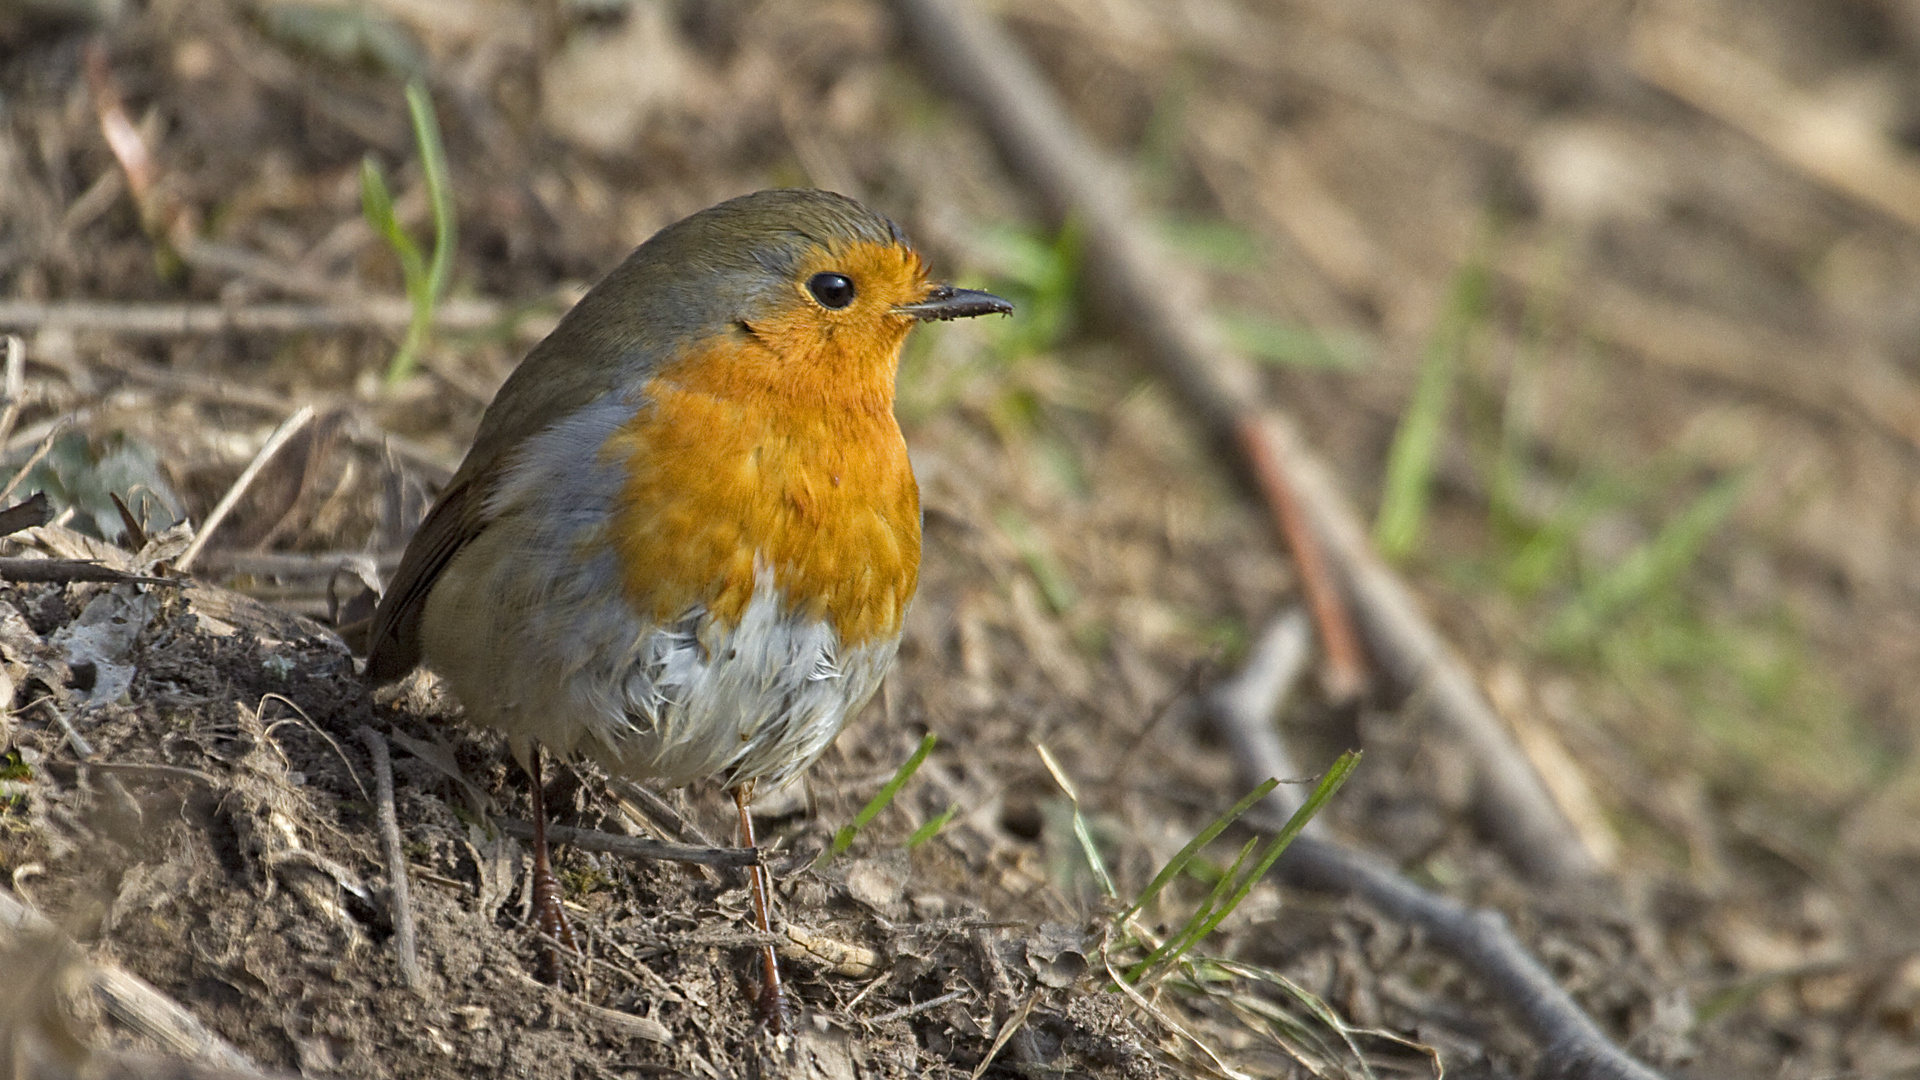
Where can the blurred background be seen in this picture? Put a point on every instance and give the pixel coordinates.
(1608, 313)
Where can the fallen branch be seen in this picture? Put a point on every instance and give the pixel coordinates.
(1241, 711)
(1127, 270)
(633, 847)
(1571, 1045)
(1512, 803)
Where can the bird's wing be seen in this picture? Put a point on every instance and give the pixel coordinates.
(394, 645)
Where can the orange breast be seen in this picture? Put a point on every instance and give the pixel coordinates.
(794, 463)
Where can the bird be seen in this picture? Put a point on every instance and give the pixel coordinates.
(687, 533)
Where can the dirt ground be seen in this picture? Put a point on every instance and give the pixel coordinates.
(1651, 268)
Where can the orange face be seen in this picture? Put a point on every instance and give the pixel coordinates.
(774, 447)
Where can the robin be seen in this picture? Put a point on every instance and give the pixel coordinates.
(687, 532)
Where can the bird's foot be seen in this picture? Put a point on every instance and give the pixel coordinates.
(551, 920)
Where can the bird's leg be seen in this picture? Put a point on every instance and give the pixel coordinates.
(547, 912)
(772, 1002)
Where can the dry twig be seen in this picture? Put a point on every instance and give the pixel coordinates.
(287, 429)
(1247, 702)
(919, 1007)
(67, 570)
(1346, 668)
(404, 946)
(633, 847)
(169, 320)
(1241, 711)
(1571, 1045)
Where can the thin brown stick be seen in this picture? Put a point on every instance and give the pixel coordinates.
(1346, 671)
(404, 946)
(916, 1009)
(66, 570)
(633, 847)
(287, 429)
(81, 747)
(185, 319)
(1509, 796)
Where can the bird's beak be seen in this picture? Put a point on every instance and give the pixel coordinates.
(946, 302)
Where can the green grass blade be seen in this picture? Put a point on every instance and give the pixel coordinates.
(1648, 569)
(1330, 783)
(1080, 831)
(1541, 559)
(1286, 345)
(1211, 242)
(376, 204)
(1054, 583)
(1189, 931)
(1212, 914)
(1187, 854)
(1320, 1011)
(932, 828)
(1408, 487)
(433, 167)
(1537, 322)
(426, 282)
(843, 837)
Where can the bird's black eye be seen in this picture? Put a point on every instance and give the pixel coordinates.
(832, 290)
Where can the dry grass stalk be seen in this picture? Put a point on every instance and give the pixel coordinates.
(287, 430)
